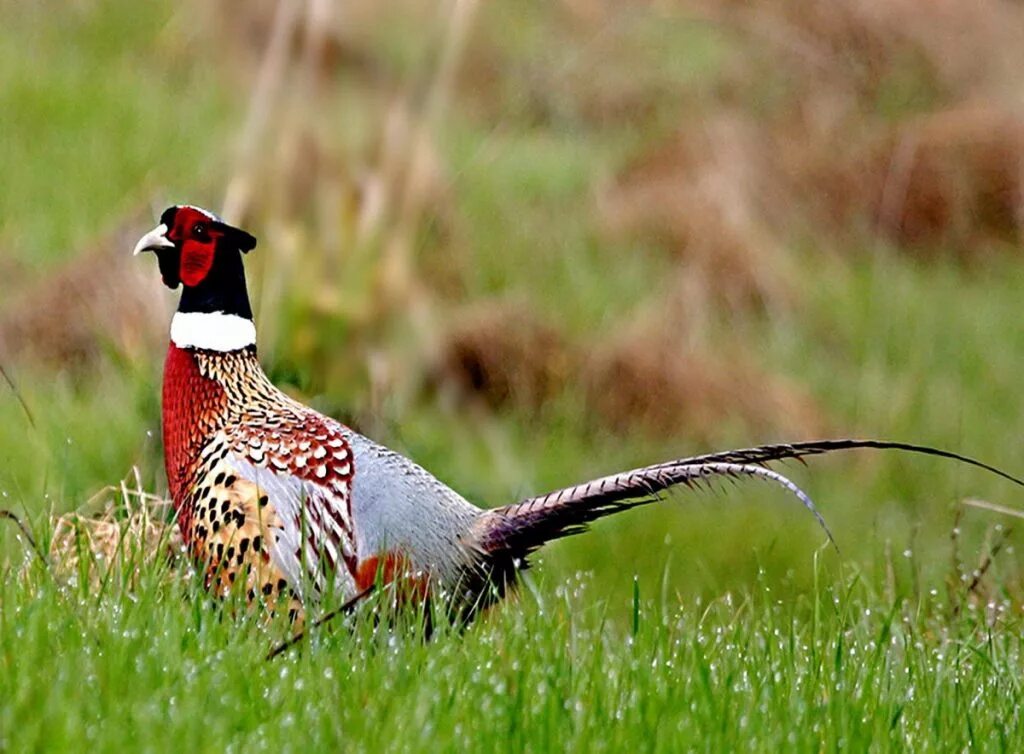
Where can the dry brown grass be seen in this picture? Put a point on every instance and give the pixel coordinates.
(659, 376)
(955, 178)
(900, 119)
(338, 159)
(858, 47)
(664, 379)
(703, 195)
(838, 120)
(128, 533)
(504, 354)
(834, 120)
(101, 302)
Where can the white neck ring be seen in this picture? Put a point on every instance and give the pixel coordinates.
(213, 331)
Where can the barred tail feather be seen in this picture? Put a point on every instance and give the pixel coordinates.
(517, 530)
(521, 528)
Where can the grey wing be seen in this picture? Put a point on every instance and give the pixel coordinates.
(397, 505)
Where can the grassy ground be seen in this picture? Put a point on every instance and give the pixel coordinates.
(717, 620)
(565, 668)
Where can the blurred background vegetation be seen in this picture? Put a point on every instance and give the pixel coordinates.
(530, 243)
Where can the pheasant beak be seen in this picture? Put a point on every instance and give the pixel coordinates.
(155, 240)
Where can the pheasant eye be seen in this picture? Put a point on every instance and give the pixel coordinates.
(199, 230)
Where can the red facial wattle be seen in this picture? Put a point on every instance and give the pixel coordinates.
(196, 261)
(197, 242)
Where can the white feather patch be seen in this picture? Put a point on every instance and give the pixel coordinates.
(202, 211)
(214, 331)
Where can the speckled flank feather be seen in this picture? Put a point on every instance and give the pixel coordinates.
(275, 496)
(262, 484)
(232, 529)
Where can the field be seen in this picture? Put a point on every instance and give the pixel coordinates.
(527, 245)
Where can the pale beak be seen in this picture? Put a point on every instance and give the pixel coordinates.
(155, 240)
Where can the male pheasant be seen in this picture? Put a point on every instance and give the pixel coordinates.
(282, 502)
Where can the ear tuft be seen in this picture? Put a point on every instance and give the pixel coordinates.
(237, 237)
(246, 241)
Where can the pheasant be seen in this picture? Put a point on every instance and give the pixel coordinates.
(284, 503)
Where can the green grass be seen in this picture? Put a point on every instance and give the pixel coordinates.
(715, 621)
(562, 669)
(739, 641)
(98, 100)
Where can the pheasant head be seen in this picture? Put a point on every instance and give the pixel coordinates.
(200, 252)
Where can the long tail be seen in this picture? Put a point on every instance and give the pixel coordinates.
(517, 530)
